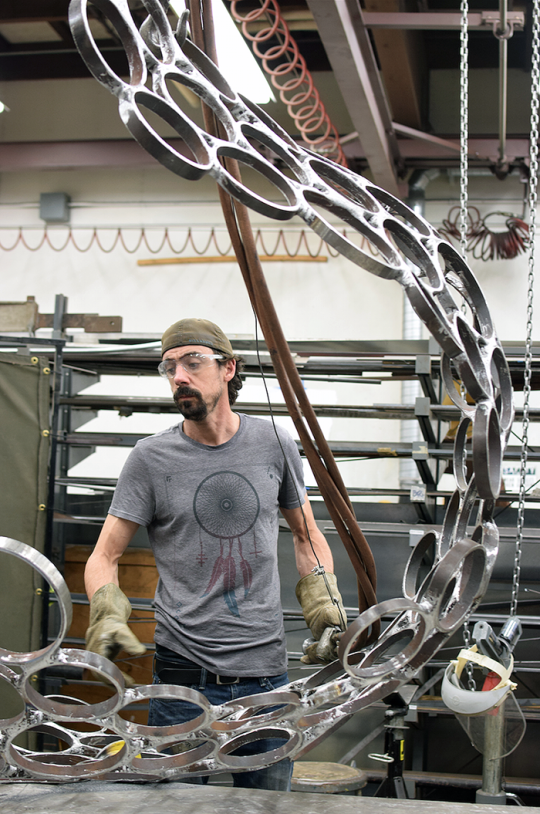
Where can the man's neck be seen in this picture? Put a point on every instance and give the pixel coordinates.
(214, 430)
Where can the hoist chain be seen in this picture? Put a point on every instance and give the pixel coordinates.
(469, 669)
(463, 201)
(464, 124)
(533, 195)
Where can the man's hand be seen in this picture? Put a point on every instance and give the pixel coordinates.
(322, 607)
(108, 632)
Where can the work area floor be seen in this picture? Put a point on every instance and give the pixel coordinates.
(94, 796)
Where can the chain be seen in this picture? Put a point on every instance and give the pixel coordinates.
(469, 669)
(464, 124)
(533, 195)
(463, 201)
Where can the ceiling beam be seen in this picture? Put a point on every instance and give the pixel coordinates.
(33, 11)
(439, 20)
(401, 59)
(125, 153)
(349, 50)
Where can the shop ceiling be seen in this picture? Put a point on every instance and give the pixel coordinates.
(395, 62)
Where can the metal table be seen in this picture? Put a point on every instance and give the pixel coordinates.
(182, 798)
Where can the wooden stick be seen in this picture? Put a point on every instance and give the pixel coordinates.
(231, 258)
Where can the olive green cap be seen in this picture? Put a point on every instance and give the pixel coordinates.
(196, 332)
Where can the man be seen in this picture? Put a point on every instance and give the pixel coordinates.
(209, 491)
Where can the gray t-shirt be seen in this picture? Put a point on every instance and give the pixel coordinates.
(212, 520)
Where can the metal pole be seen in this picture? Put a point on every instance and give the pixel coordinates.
(491, 792)
(503, 79)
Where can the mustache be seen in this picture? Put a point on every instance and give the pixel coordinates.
(185, 391)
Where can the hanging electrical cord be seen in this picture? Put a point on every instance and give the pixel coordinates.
(483, 242)
(291, 76)
(533, 195)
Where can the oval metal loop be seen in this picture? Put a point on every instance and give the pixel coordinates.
(388, 264)
(240, 192)
(460, 453)
(284, 704)
(487, 451)
(167, 692)
(453, 585)
(263, 758)
(58, 710)
(61, 769)
(400, 210)
(119, 14)
(453, 388)
(182, 760)
(351, 636)
(432, 315)
(412, 569)
(449, 525)
(504, 392)
(157, 146)
(476, 374)
(470, 289)
(46, 569)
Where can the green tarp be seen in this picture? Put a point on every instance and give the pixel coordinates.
(25, 387)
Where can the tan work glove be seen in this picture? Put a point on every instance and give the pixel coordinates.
(320, 613)
(108, 632)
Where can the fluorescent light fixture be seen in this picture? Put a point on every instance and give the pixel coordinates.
(236, 62)
(3, 107)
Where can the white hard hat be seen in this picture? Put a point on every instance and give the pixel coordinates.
(472, 702)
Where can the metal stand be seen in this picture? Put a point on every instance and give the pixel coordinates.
(491, 792)
(394, 747)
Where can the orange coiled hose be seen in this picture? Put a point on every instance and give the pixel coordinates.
(291, 77)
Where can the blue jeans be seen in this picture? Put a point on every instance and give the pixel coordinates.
(164, 713)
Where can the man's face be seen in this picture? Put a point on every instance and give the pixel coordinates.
(197, 393)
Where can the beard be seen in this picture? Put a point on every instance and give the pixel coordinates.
(192, 405)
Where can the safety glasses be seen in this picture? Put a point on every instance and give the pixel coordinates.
(193, 363)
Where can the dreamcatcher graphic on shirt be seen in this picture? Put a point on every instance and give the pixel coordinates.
(226, 506)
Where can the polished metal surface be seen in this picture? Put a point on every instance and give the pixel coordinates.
(446, 296)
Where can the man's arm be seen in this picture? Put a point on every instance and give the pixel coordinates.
(317, 593)
(110, 609)
(301, 521)
(102, 566)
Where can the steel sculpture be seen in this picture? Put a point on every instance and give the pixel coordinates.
(444, 294)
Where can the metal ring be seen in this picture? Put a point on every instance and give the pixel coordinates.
(472, 291)
(460, 453)
(263, 758)
(242, 193)
(487, 450)
(351, 636)
(166, 692)
(154, 144)
(134, 47)
(454, 584)
(412, 569)
(503, 390)
(46, 569)
(60, 711)
(61, 770)
(452, 391)
(390, 266)
(182, 760)
(287, 703)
